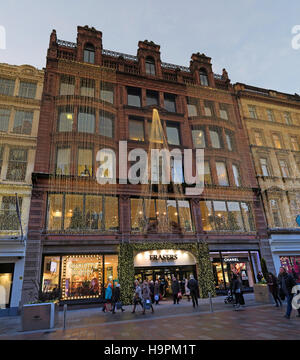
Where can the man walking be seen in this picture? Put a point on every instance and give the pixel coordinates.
(286, 283)
(194, 289)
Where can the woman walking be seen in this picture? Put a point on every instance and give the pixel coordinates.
(237, 290)
(146, 296)
(175, 290)
(108, 297)
(273, 288)
(187, 290)
(156, 292)
(116, 299)
(137, 296)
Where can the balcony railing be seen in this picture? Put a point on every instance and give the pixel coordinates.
(66, 44)
(117, 55)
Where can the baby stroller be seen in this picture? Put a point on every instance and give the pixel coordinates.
(229, 298)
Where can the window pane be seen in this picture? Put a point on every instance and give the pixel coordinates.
(137, 215)
(207, 173)
(51, 275)
(236, 175)
(221, 215)
(215, 139)
(208, 108)
(4, 119)
(136, 130)
(27, 90)
(23, 122)
(270, 115)
(7, 87)
(198, 138)
(222, 174)
(8, 213)
(229, 142)
(55, 212)
(85, 162)
(223, 112)
(111, 270)
(87, 87)
(185, 216)
(86, 121)
(247, 216)
(74, 219)
(67, 85)
(235, 221)
(284, 168)
(106, 121)
(93, 212)
(150, 66)
(161, 208)
(17, 165)
(192, 105)
(207, 216)
(264, 167)
(65, 122)
(252, 111)
(203, 78)
(107, 92)
(1, 156)
(134, 97)
(89, 56)
(152, 97)
(111, 213)
(173, 135)
(172, 214)
(63, 162)
(170, 104)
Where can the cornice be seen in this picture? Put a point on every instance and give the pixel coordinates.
(271, 123)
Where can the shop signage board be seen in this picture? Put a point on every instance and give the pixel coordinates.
(164, 258)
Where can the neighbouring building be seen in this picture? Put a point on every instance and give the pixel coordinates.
(272, 120)
(20, 98)
(83, 235)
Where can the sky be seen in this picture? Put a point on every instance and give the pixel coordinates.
(252, 39)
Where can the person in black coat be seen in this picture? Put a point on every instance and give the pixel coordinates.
(286, 283)
(273, 288)
(116, 298)
(194, 289)
(175, 290)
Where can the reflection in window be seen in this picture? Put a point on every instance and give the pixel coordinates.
(85, 162)
(50, 284)
(86, 121)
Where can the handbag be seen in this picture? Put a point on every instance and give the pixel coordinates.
(179, 295)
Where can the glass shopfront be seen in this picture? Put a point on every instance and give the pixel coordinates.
(6, 280)
(292, 265)
(246, 264)
(78, 277)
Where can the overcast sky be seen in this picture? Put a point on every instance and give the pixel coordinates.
(250, 38)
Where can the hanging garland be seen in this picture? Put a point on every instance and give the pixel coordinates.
(126, 266)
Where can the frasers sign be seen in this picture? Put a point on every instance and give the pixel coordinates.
(164, 258)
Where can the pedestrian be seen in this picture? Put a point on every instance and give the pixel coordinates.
(187, 290)
(116, 299)
(236, 290)
(151, 287)
(137, 297)
(175, 290)
(146, 297)
(194, 290)
(156, 292)
(286, 283)
(273, 288)
(108, 297)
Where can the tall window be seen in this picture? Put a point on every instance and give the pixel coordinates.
(150, 66)
(134, 97)
(4, 119)
(215, 138)
(270, 115)
(236, 175)
(85, 162)
(198, 135)
(294, 143)
(209, 108)
(152, 97)
(27, 90)
(258, 138)
(277, 141)
(23, 122)
(107, 92)
(203, 77)
(136, 130)
(222, 174)
(170, 102)
(1, 157)
(86, 120)
(276, 213)
(7, 86)
(87, 87)
(287, 118)
(65, 119)
(264, 167)
(8, 213)
(17, 164)
(89, 54)
(173, 135)
(252, 111)
(192, 105)
(207, 173)
(63, 161)
(284, 168)
(67, 85)
(106, 124)
(224, 112)
(230, 140)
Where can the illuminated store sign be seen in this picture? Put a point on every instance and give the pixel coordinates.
(164, 258)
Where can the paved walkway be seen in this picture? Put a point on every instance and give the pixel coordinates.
(169, 322)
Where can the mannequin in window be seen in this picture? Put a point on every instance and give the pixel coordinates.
(86, 172)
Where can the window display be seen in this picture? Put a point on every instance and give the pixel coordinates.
(82, 277)
(51, 274)
(292, 265)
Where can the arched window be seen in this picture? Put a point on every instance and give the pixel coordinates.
(203, 77)
(150, 66)
(89, 54)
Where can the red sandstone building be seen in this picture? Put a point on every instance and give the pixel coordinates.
(94, 98)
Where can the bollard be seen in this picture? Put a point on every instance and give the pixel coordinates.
(210, 302)
(65, 315)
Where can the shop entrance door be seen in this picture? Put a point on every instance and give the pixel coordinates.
(6, 280)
